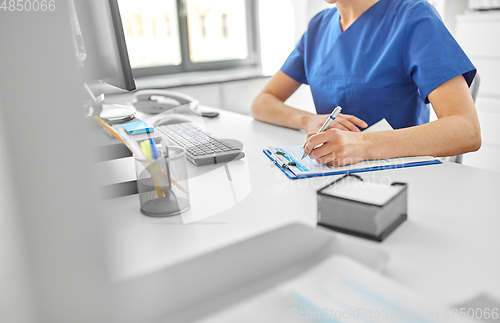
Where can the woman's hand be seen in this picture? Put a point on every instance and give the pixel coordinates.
(338, 147)
(344, 122)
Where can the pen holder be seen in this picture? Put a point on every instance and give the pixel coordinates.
(162, 183)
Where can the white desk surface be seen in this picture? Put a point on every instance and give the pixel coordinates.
(447, 248)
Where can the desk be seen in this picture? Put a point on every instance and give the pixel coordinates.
(446, 248)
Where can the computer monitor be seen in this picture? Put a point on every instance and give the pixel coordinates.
(101, 29)
(100, 44)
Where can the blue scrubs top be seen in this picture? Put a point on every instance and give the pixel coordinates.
(383, 66)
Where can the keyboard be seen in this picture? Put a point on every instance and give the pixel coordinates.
(201, 147)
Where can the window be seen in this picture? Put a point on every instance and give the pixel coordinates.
(172, 36)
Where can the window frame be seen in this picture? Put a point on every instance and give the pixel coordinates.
(253, 59)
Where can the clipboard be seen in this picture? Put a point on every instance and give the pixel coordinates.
(288, 160)
(292, 172)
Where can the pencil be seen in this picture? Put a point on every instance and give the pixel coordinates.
(108, 128)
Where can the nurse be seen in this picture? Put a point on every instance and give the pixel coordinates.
(377, 59)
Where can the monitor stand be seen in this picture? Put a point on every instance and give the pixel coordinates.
(111, 113)
(116, 113)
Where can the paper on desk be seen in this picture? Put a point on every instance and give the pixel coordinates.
(308, 166)
(337, 290)
(363, 191)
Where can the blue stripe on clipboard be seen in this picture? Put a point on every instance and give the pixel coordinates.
(292, 175)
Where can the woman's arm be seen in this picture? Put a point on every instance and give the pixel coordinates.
(269, 107)
(455, 132)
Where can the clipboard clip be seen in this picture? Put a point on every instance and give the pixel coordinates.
(282, 160)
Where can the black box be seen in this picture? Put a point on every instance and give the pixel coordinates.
(361, 208)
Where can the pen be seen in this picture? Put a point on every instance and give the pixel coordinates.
(327, 123)
(154, 151)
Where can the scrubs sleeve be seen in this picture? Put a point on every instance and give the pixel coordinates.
(431, 54)
(294, 65)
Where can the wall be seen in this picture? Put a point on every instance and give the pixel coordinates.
(477, 33)
(449, 9)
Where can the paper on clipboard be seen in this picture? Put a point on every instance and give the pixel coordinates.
(307, 167)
